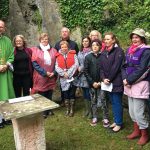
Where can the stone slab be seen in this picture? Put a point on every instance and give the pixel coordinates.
(25, 108)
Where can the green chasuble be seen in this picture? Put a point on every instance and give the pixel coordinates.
(6, 78)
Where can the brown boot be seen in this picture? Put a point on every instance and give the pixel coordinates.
(67, 104)
(144, 138)
(72, 101)
(136, 133)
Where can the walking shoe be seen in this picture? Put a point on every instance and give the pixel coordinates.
(94, 122)
(117, 129)
(106, 123)
(1, 125)
(7, 122)
(112, 125)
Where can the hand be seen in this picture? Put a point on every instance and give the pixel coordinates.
(99, 84)
(3, 68)
(96, 85)
(79, 69)
(50, 75)
(125, 82)
(106, 81)
(66, 75)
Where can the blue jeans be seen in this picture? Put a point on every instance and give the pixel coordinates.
(116, 101)
(86, 93)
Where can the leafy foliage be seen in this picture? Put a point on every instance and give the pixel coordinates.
(4, 9)
(118, 16)
(37, 19)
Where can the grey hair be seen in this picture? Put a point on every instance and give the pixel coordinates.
(23, 39)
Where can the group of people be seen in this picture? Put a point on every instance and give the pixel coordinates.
(100, 68)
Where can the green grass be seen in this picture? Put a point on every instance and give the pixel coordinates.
(65, 133)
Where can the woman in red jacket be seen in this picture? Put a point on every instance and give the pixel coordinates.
(66, 66)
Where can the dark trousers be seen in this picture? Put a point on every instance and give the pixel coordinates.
(86, 93)
(70, 93)
(22, 83)
(98, 100)
(48, 94)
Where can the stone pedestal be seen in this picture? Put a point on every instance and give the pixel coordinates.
(29, 132)
(28, 122)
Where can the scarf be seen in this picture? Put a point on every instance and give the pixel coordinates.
(133, 48)
(111, 47)
(86, 50)
(47, 57)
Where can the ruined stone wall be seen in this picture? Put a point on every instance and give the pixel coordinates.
(31, 17)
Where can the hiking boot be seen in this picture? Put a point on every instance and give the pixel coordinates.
(136, 132)
(72, 102)
(144, 138)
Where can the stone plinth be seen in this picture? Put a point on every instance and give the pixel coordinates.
(28, 122)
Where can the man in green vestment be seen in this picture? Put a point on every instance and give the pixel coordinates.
(6, 59)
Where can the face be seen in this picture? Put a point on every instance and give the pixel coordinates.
(94, 36)
(19, 42)
(85, 43)
(108, 40)
(2, 27)
(44, 41)
(95, 47)
(65, 33)
(136, 40)
(64, 48)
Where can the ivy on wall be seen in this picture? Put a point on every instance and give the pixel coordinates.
(119, 16)
(37, 19)
(87, 14)
(4, 9)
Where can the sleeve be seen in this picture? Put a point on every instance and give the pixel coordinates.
(11, 54)
(76, 48)
(57, 46)
(71, 71)
(81, 62)
(40, 70)
(59, 70)
(86, 71)
(116, 66)
(123, 70)
(102, 74)
(141, 69)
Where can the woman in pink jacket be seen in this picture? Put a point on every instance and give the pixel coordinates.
(44, 75)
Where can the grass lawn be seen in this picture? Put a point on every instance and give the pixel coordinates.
(65, 133)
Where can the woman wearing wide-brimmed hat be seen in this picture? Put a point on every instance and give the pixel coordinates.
(136, 83)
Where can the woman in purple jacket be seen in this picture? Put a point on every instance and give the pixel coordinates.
(111, 61)
(22, 81)
(136, 84)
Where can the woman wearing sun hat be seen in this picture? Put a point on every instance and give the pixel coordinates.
(136, 83)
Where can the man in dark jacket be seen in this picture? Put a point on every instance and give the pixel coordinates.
(65, 35)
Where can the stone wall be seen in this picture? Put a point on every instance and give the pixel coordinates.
(23, 19)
